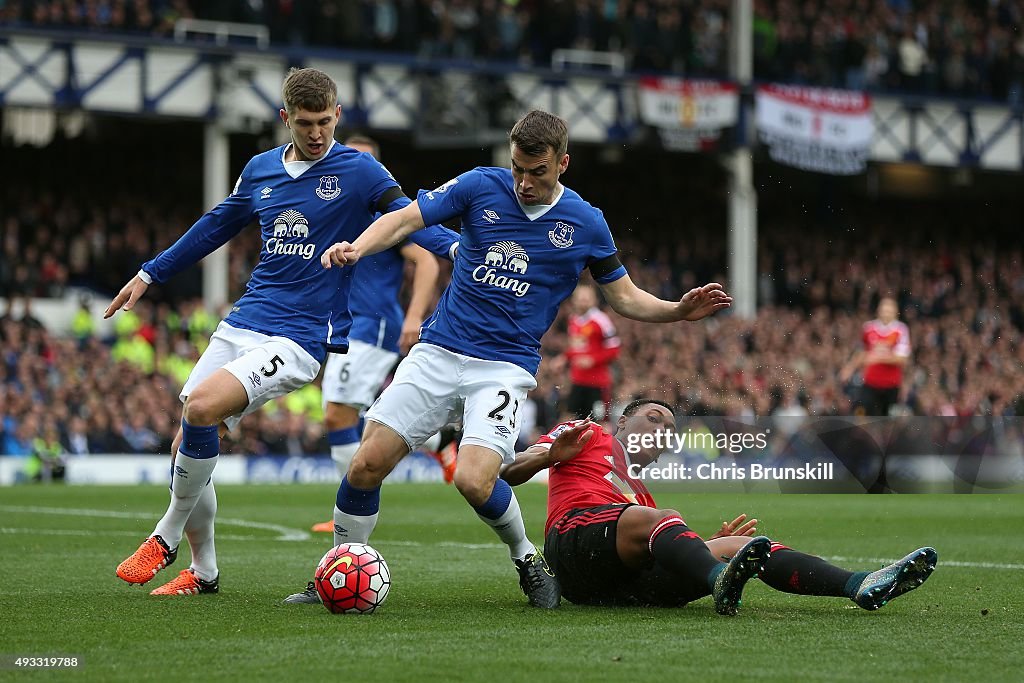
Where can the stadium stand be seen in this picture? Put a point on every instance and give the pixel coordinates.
(959, 48)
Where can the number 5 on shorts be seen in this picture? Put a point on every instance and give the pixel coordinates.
(498, 415)
(275, 363)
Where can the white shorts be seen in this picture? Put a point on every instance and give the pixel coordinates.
(266, 366)
(355, 378)
(434, 386)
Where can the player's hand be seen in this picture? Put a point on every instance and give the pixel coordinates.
(127, 297)
(700, 302)
(737, 527)
(410, 334)
(339, 254)
(570, 442)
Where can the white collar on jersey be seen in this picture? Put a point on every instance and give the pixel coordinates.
(297, 168)
(537, 210)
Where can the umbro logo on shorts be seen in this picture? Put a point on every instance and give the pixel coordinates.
(503, 430)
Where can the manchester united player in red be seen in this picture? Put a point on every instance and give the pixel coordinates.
(886, 351)
(593, 347)
(609, 544)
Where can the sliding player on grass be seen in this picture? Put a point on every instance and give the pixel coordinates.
(609, 544)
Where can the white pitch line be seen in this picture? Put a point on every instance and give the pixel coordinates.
(289, 534)
(284, 533)
(105, 532)
(444, 544)
(942, 563)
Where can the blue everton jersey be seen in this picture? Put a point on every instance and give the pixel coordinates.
(511, 272)
(302, 209)
(377, 280)
(377, 316)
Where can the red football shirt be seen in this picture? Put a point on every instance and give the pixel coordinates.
(592, 336)
(894, 336)
(599, 475)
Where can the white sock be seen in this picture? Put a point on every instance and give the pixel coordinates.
(352, 528)
(512, 530)
(187, 484)
(342, 455)
(433, 443)
(199, 531)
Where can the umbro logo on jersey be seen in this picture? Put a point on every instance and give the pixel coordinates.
(265, 192)
(504, 256)
(491, 217)
(329, 188)
(561, 235)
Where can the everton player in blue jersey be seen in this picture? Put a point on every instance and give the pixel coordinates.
(380, 331)
(525, 241)
(305, 195)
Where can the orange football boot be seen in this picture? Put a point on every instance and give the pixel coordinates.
(187, 583)
(152, 556)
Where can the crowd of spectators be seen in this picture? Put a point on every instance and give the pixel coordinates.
(972, 48)
(961, 294)
(84, 394)
(964, 306)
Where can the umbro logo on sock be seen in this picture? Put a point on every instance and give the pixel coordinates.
(338, 529)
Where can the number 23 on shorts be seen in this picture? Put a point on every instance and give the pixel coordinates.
(505, 408)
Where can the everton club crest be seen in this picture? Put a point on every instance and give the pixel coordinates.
(561, 236)
(329, 188)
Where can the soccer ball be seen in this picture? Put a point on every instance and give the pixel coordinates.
(352, 577)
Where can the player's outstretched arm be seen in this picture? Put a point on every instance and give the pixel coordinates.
(384, 233)
(424, 283)
(127, 297)
(542, 456)
(630, 301)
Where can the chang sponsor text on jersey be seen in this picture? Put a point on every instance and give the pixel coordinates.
(302, 208)
(516, 264)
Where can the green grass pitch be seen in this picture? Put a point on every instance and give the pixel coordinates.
(455, 612)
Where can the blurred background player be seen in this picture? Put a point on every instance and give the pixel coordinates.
(886, 342)
(380, 331)
(609, 544)
(592, 348)
(525, 240)
(305, 194)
